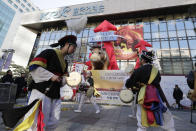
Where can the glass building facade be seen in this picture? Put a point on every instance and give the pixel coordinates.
(6, 17)
(173, 37)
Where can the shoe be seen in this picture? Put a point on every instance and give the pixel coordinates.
(77, 111)
(131, 116)
(97, 112)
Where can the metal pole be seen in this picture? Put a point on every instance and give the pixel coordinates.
(191, 112)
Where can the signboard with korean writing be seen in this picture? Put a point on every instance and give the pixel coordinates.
(109, 83)
(103, 36)
(73, 11)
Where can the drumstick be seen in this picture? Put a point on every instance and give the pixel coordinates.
(48, 88)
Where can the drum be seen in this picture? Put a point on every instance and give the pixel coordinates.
(74, 79)
(66, 92)
(191, 95)
(126, 96)
(90, 92)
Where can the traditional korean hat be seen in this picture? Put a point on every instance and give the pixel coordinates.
(147, 56)
(71, 39)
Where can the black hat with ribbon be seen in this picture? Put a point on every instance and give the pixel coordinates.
(147, 56)
(71, 39)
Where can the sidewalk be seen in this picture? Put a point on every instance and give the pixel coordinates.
(111, 118)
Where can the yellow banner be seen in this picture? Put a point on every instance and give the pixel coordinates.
(109, 80)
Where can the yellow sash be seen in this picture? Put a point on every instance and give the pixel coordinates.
(61, 59)
(141, 96)
(27, 123)
(142, 92)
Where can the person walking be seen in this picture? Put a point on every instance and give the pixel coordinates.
(178, 96)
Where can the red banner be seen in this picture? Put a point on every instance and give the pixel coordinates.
(129, 37)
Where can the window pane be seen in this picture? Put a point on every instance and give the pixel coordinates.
(58, 35)
(80, 34)
(50, 42)
(38, 51)
(187, 65)
(155, 35)
(183, 44)
(147, 36)
(177, 66)
(181, 33)
(190, 32)
(165, 45)
(147, 27)
(73, 33)
(42, 36)
(185, 54)
(53, 34)
(154, 27)
(193, 53)
(172, 33)
(68, 32)
(46, 42)
(166, 66)
(162, 26)
(180, 25)
(47, 37)
(163, 35)
(85, 33)
(192, 44)
(41, 43)
(156, 45)
(189, 24)
(173, 44)
(175, 53)
(165, 53)
(63, 33)
(91, 33)
(171, 25)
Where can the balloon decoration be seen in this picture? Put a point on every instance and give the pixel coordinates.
(141, 46)
(106, 26)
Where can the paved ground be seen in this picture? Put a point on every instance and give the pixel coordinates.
(111, 118)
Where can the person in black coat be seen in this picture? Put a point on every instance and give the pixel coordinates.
(178, 95)
(21, 84)
(8, 78)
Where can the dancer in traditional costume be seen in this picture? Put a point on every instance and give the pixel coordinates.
(87, 82)
(47, 70)
(151, 108)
